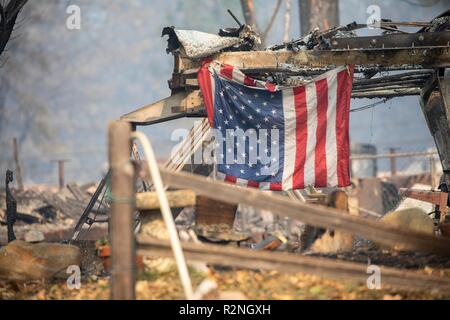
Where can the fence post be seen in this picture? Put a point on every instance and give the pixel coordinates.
(61, 175)
(433, 173)
(122, 208)
(393, 151)
(17, 163)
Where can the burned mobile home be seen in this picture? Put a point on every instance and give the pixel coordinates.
(416, 64)
(140, 199)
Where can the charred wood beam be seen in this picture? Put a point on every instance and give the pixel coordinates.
(291, 70)
(387, 85)
(420, 74)
(428, 58)
(11, 207)
(302, 61)
(387, 93)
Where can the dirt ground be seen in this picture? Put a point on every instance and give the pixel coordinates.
(236, 282)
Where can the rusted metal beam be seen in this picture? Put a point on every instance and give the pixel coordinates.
(438, 198)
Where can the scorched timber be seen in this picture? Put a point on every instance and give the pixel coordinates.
(425, 57)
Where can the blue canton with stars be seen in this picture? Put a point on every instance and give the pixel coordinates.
(253, 110)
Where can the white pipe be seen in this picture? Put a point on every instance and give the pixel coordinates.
(166, 213)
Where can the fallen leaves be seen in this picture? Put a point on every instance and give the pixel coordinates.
(254, 285)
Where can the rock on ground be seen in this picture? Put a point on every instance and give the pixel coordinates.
(22, 261)
(413, 219)
(333, 242)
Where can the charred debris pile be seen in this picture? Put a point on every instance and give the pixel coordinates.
(321, 51)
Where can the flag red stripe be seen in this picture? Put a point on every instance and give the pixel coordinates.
(301, 133)
(344, 90)
(249, 81)
(276, 186)
(227, 71)
(321, 133)
(271, 87)
(230, 179)
(205, 82)
(253, 184)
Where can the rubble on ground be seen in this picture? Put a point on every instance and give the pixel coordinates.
(46, 210)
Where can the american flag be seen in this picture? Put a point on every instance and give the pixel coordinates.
(279, 138)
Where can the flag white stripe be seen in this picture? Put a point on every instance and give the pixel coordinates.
(241, 182)
(311, 107)
(220, 176)
(290, 125)
(213, 88)
(331, 147)
(264, 185)
(238, 76)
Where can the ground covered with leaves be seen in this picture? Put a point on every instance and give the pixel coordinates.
(237, 283)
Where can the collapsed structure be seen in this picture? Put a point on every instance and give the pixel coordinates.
(419, 64)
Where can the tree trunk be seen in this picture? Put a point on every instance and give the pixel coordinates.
(248, 9)
(287, 21)
(322, 14)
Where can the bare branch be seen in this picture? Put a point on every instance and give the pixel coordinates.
(248, 9)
